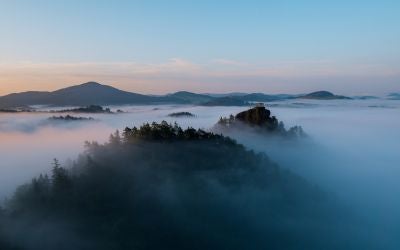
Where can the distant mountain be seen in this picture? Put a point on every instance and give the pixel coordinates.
(23, 99)
(255, 97)
(226, 94)
(226, 101)
(365, 97)
(394, 96)
(260, 97)
(93, 93)
(90, 93)
(190, 97)
(322, 95)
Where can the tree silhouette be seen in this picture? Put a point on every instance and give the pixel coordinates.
(162, 187)
(60, 179)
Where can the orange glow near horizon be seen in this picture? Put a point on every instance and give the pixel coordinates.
(218, 76)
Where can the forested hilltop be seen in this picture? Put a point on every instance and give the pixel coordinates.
(163, 187)
(260, 120)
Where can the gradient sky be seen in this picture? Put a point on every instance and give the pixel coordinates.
(348, 47)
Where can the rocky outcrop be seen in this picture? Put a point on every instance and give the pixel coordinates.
(260, 118)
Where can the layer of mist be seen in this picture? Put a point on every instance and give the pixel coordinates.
(351, 153)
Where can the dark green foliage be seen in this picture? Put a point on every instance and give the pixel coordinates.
(61, 181)
(17, 110)
(43, 193)
(181, 114)
(70, 118)
(4, 243)
(9, 111)
(163, 187)
(165, 132)
(87, 109)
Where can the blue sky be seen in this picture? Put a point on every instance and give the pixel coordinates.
(162, 46)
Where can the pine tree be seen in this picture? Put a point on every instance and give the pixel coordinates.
(60, 179)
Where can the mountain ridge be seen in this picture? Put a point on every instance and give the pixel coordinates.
(323, 95)
(82, 95)
(94, 93)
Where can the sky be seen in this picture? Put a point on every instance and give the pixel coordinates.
(348, 47)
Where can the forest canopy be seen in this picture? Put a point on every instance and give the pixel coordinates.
(163, 187)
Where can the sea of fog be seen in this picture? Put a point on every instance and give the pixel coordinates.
(353, 150)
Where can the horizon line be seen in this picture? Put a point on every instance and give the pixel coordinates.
(182, 90)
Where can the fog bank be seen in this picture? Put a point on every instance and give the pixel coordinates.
(352, 150)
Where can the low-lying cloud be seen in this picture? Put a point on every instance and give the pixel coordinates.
(352, 152)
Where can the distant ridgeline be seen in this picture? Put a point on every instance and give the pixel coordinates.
(259, 118)
(85, 109)
(16, 110)
(163, 187)
(9, 111)
(99, 94)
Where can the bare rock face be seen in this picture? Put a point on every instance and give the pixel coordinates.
(256, 116)
(259, 118)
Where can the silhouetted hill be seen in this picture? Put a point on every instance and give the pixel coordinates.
(323, 95)
(163, 187)
(190, 97)
(9, 111)
(95, 93)
(90, 93)
(23, 99)
(365, 97)
(226, 94)
(394, 96)
(254, 97)
(260, 97)
(226, 101)
(232, 99)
